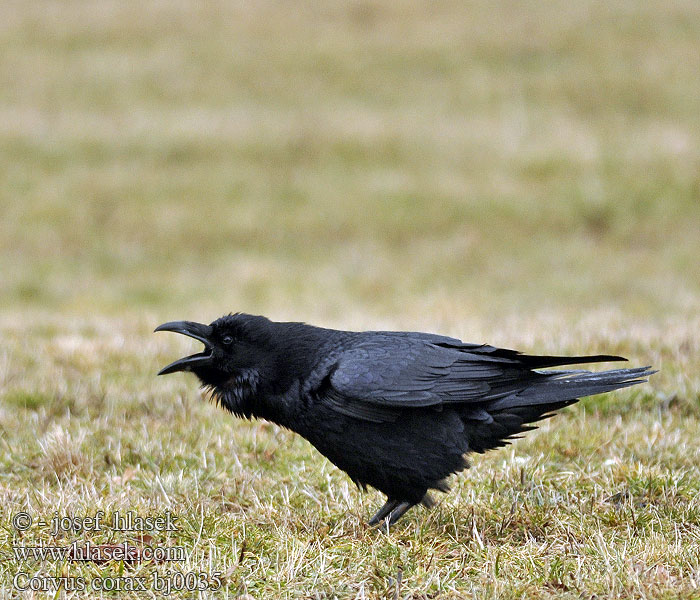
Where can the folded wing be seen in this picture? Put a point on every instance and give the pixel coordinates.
(386, 374)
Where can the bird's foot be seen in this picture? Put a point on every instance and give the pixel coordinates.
(391, 512)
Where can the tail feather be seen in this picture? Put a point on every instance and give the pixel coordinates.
(499, 420)
(558, 386)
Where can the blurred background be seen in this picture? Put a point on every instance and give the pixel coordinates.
(527, 172)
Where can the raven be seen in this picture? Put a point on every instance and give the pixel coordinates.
(395, 410)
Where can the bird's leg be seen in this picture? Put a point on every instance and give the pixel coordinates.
(389, 505)
(399, 512)
(391, 512)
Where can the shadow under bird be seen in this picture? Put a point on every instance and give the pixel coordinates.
(395, 410)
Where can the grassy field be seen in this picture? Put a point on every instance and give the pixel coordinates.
(524, 174)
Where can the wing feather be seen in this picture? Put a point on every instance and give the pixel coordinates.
(387, 372)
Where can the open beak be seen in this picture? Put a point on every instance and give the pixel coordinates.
(198, 331)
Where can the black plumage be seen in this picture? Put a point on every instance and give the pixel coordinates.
(397, 411)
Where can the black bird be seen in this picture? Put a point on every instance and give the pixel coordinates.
(395, 410)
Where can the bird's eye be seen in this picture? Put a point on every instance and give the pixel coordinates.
(227, 340)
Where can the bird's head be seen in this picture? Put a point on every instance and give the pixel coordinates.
(237, 352)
